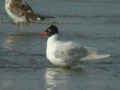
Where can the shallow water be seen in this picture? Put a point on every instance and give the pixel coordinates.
(94, 23)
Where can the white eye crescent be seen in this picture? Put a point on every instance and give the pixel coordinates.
(49, 30)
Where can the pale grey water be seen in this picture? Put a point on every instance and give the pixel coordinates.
(94, 23)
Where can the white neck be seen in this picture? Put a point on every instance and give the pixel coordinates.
(53, 38)
(51, 44)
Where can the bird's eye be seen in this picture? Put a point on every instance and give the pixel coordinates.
(49, 30)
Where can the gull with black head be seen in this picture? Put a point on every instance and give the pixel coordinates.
(67, 53)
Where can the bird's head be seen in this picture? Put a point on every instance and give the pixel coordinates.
(50, 31)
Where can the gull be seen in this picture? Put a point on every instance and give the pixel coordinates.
(67, 53)
(21, 12)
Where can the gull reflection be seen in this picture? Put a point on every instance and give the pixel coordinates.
(6, 84)
(12, 40)
(19, 39)
(57, 78)
(8, 41)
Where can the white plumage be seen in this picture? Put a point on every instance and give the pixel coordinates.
(16, 19)
(68, 53)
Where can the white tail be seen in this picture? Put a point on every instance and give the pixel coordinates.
(95, 57)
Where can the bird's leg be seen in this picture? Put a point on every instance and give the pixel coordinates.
(23, 26)
(16, 27)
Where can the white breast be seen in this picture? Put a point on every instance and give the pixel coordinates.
(67, 53)
(52, 45)
(15, 18)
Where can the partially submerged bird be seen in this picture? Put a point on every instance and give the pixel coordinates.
(66, 54)
(21, 12)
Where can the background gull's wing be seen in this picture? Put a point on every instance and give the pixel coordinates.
(31, 15)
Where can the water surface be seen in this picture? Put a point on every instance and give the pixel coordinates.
(94, 23)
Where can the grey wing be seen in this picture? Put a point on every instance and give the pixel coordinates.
(78, 52)
(71, 53)
(31, 15)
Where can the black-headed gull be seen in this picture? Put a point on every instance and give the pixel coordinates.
(65, 54)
